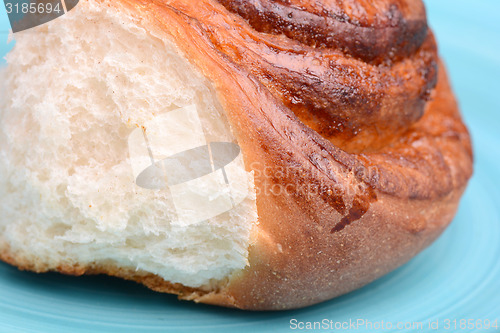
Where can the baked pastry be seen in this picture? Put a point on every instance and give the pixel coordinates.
(354, 152)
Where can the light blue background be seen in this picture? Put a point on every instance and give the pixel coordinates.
(456, 278)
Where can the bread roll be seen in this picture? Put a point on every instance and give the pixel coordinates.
(351, 153)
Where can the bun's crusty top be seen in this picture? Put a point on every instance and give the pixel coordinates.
(358, 73)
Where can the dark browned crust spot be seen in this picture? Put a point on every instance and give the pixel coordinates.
(388, 29)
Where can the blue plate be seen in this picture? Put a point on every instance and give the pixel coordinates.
(454, 282)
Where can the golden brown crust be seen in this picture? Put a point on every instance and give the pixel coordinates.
(357, 105)
(337, 209)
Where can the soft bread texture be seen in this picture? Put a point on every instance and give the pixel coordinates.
(68, 193)
(355, 152)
